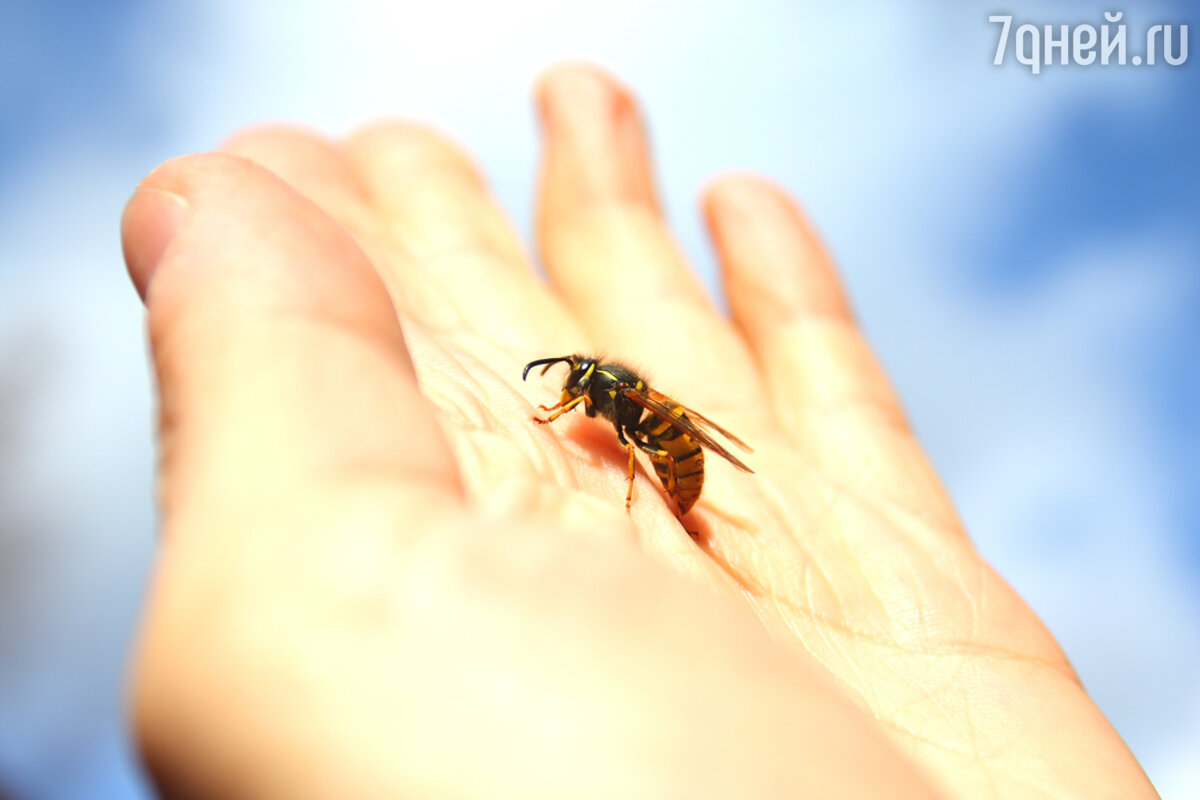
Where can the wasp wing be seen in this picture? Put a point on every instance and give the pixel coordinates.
(693, 424)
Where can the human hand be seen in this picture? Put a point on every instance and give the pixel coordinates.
(380, 578)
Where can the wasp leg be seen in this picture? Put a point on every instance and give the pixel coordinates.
(629, 491)
(553, 407)
(562, 409)
(629, 449)
(671, 481)
(649, 449)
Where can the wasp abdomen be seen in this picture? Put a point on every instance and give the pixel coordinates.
(680, 468)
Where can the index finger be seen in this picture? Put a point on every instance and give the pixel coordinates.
(612, 257)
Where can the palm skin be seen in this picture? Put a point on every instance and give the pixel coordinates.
(380, 578)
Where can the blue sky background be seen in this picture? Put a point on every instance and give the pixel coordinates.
(1023, 251)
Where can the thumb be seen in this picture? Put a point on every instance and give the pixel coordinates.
(279, 357)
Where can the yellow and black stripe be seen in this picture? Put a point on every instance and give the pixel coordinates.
(680, 461)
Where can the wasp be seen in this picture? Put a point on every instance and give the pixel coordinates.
(670, 434)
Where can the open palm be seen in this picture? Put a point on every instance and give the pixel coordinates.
(364, 528)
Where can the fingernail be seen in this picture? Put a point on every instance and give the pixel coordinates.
(151, 219)
(594, 139)
(580, 104)
(746, 201)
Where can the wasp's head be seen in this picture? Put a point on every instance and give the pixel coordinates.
(578, 379)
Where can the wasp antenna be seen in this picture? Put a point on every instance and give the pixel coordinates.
(548, 362)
